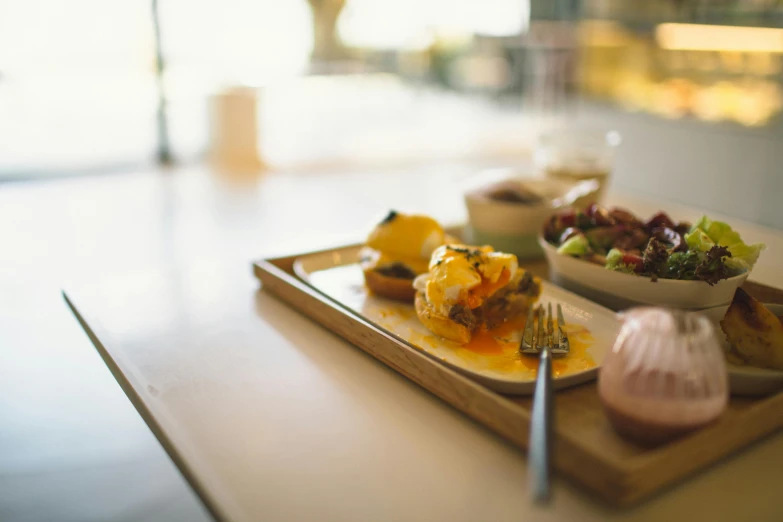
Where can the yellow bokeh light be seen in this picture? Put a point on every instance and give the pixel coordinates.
(696, 37)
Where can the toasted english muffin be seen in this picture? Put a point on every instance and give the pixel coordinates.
(380, 282)
(439, 324)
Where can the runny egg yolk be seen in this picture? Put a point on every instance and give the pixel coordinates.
(477, 295)
(466, 275)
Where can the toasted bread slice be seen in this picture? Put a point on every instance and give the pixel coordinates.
(755, 333)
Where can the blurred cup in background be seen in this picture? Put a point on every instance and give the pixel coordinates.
(234, 129)
(577, 155)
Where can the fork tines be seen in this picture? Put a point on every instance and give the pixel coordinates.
(540, 333)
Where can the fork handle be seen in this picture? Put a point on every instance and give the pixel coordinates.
(539, 452)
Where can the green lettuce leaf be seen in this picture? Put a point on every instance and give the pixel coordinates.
(576, 246)
(614, 261)
(682, 265)
(706, 233)
(709, 266)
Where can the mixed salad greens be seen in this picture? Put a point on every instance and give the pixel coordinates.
(657, 248)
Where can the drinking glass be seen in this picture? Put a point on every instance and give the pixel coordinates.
(576, 155)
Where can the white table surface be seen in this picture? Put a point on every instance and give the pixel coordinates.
(271, 417)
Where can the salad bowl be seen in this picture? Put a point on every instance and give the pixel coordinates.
(619, 260)
(618, 290)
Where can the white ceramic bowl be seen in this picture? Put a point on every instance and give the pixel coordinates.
(514, 227)
(618, 291)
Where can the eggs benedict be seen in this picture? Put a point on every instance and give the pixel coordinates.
(397, 250)
(469, 288)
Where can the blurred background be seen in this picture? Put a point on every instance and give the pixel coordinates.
(695, 87)
(116, 116)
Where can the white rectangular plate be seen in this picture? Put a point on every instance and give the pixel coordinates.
(495, 363)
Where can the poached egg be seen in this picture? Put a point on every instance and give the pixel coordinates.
(466, 275)
(409, 239)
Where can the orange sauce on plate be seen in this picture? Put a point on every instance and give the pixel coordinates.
(498, 345)
(497, 349)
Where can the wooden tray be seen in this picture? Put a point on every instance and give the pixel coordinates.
(586, 449)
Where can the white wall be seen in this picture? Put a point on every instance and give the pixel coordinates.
(722, 167)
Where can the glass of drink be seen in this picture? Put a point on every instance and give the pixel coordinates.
(576, 155)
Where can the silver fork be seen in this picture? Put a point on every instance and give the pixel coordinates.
(535, 338)
(537, 341)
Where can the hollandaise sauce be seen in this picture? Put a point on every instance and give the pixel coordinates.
(501, 347)
(498, 350)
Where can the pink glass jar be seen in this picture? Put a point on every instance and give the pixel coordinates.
(665, 375)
